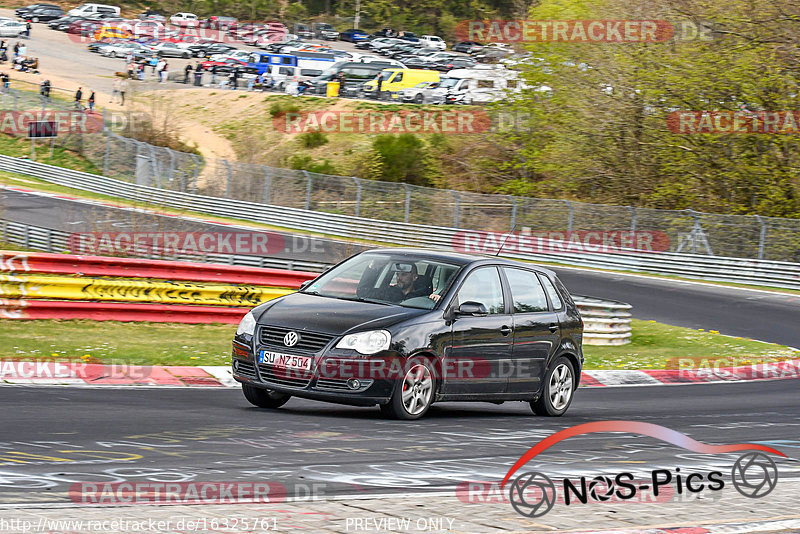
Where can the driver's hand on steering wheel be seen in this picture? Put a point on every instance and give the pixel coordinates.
(435, 297)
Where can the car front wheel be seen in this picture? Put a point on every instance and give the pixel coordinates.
(264, 398)
(559, 386)
(413, 395)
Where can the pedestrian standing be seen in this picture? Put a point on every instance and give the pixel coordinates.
(115, 90)
(141, 72)
(123, 87)
(91, 102)
(16, 49)
(23, 49)
(131, 69)
(28, 29)
(187, 71)
(213, 74)
(78, 98)
(198, 75)
(164, 71)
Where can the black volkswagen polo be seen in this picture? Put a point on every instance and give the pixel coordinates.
(405, 328)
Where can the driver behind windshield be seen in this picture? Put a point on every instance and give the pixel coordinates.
(402, 290)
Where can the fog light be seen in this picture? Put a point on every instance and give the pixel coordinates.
(353, 383)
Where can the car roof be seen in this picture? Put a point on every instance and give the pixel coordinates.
(456, 257)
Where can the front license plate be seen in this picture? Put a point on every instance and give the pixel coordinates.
(287, 361)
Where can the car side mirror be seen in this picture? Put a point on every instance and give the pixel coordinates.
(305, 284)
(475, 309)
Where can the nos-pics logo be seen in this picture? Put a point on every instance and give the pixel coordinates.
(533, 494)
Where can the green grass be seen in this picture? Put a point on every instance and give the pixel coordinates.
(654, 345)
(21, 147)
(117, 342)
(659, 346)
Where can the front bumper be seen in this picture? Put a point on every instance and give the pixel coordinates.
(335, 376)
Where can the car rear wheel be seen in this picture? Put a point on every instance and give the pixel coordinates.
(186, 55)
(559, 387)
(264, 398)
(413, 395)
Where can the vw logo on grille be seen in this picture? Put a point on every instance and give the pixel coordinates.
(291, 339)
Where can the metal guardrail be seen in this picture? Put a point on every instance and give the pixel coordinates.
(715, 268)
(49, 240)
(605, 322)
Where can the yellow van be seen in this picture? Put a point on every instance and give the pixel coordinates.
(111, 32)
(395, 79)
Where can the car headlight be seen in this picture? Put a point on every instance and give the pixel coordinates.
(247, 325)
(366, 342)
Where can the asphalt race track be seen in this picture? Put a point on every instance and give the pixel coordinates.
(54, 437)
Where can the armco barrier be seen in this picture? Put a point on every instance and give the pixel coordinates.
(30, 286)
(11, 261)
(605, 322)
(755, 272)
(115, 311)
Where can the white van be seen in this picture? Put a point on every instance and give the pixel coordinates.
(88, 10)
(479, 85)
(433, 41)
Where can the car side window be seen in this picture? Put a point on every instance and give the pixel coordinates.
(483, 286)
(526, 291)
(555, 298)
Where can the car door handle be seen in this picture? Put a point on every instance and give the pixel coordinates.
(505, 330)
(553, 328)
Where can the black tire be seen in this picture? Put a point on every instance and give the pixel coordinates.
(419, 98)
(414, 394)
(264, 398)
(559, 382)
(113, 54)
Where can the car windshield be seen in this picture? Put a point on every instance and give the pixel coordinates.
(397, 279)
(448, 82)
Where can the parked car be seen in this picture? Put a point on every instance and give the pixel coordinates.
(454, 63)
(419, 94)
(166, 49)
(12, 28)
(43, 14)
(219, 23)
(20, 11)
(94, 9)
(303, 31)
(404, 329)
(353, 35)
(433, 41)
(208, 49)
(408, 36)
(226, 66)
(63, 23)
(121, 49)
(355, 74)
(323, 30)
(184, 20)
(467, 47)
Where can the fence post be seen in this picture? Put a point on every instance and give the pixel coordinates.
(408, 201)
(267, 182)
(633, 218)
(228, 178)
(457, 209)
(171, 165)
(308, 190)
(571, 215)
(513, 212)
(26, 237)
(154, 163)
(196, 161)
(358, 195)
(107, 153)
(762, 238)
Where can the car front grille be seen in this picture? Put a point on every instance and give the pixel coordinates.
(284, 377)
(309, 342)
(245, 368)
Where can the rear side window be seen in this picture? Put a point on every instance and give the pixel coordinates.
(555, 298)
(526, 291)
